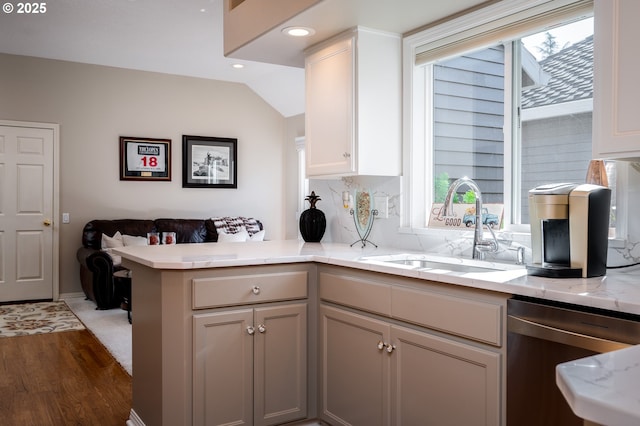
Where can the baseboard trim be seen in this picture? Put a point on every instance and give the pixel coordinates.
(134, 419)
(64, 296)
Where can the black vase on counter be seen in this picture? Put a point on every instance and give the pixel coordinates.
(312, 221)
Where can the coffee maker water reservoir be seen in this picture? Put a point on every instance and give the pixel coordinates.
(569, 230)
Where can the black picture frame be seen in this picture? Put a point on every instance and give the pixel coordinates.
(209, 162)
(146, 159)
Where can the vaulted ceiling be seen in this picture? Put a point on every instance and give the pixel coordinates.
(185, 37)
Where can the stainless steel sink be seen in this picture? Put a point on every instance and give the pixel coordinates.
(442, 264)
(453, 267)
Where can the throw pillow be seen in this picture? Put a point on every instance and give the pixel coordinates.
(238, 237)
(111, 242)
(258, 236)
(115, 259)
(130, 240)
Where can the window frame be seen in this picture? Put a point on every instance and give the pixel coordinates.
(511, 19)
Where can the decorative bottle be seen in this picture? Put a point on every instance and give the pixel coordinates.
(312, 221)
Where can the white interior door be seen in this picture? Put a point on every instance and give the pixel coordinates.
(27, 212)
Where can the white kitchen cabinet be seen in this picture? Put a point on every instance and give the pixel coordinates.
(250, 366)
(353, 105)
(393, 352)
(616, 128)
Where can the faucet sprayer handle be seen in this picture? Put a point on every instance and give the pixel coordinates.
(490, 246)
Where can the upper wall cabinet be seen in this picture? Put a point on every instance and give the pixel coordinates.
(353, 105)
(616, 121)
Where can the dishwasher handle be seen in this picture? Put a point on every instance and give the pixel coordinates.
(541, 331)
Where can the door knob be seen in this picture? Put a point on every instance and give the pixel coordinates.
(47, 222)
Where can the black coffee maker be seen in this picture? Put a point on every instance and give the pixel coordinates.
(569, 230)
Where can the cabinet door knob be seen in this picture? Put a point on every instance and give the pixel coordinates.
(262, 328)
(251, 330)
(390, 348)
(255, 289)
(381, 345)
(346, 155)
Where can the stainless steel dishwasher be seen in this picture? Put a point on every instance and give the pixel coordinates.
(542, 334)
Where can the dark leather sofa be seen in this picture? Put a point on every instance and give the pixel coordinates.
(97, 268)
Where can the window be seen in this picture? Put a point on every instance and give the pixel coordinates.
(503, 96)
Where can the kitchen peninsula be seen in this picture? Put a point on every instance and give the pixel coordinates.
(181, 294)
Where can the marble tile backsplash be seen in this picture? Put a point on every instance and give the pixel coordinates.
(341, 227)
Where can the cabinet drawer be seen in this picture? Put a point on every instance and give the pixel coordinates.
(248, 289)
(469, 318)
(355, 292)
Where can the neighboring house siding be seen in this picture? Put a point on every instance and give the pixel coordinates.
(558, 149)
(468, 120)
(554, 150)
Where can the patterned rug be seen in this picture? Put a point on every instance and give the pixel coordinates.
(36, 318)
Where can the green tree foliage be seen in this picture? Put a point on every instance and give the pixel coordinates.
(441, 187)
(549, 46)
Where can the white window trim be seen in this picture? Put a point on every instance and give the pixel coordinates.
(303, 182)
(417, 159)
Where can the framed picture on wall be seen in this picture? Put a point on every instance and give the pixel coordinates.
(145, 159)
(209, 162)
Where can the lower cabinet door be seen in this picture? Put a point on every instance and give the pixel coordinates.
(250, 366)
(223, 368)
(355, 368)
(437, 381)
(376, 373)
(280, 383)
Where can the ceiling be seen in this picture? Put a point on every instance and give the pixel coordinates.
(184, 37)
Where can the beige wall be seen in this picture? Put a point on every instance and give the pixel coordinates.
(294, 129)
(95, 105)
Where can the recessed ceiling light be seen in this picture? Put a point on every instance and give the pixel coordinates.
(237, 66)
(298, 31)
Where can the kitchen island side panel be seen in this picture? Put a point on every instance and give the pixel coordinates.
(161, 342)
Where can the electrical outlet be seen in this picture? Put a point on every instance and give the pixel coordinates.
(65, 218)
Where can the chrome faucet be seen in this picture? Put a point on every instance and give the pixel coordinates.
(480, 245)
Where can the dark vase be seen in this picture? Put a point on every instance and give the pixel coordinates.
(312, 221)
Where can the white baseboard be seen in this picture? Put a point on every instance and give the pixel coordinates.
(134, 419)
(64, 296)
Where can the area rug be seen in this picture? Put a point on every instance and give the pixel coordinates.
(111, 327)
(26, 319)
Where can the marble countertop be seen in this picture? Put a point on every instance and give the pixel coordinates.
(619, 290)
(603, 388)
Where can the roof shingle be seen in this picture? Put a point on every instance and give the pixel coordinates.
(571, 72)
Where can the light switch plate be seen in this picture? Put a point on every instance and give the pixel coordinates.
(65, 218)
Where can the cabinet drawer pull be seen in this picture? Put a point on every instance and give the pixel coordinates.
(255, 289)
(251, 330)
(262, 328)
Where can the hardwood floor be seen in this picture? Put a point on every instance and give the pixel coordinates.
(65, 378)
